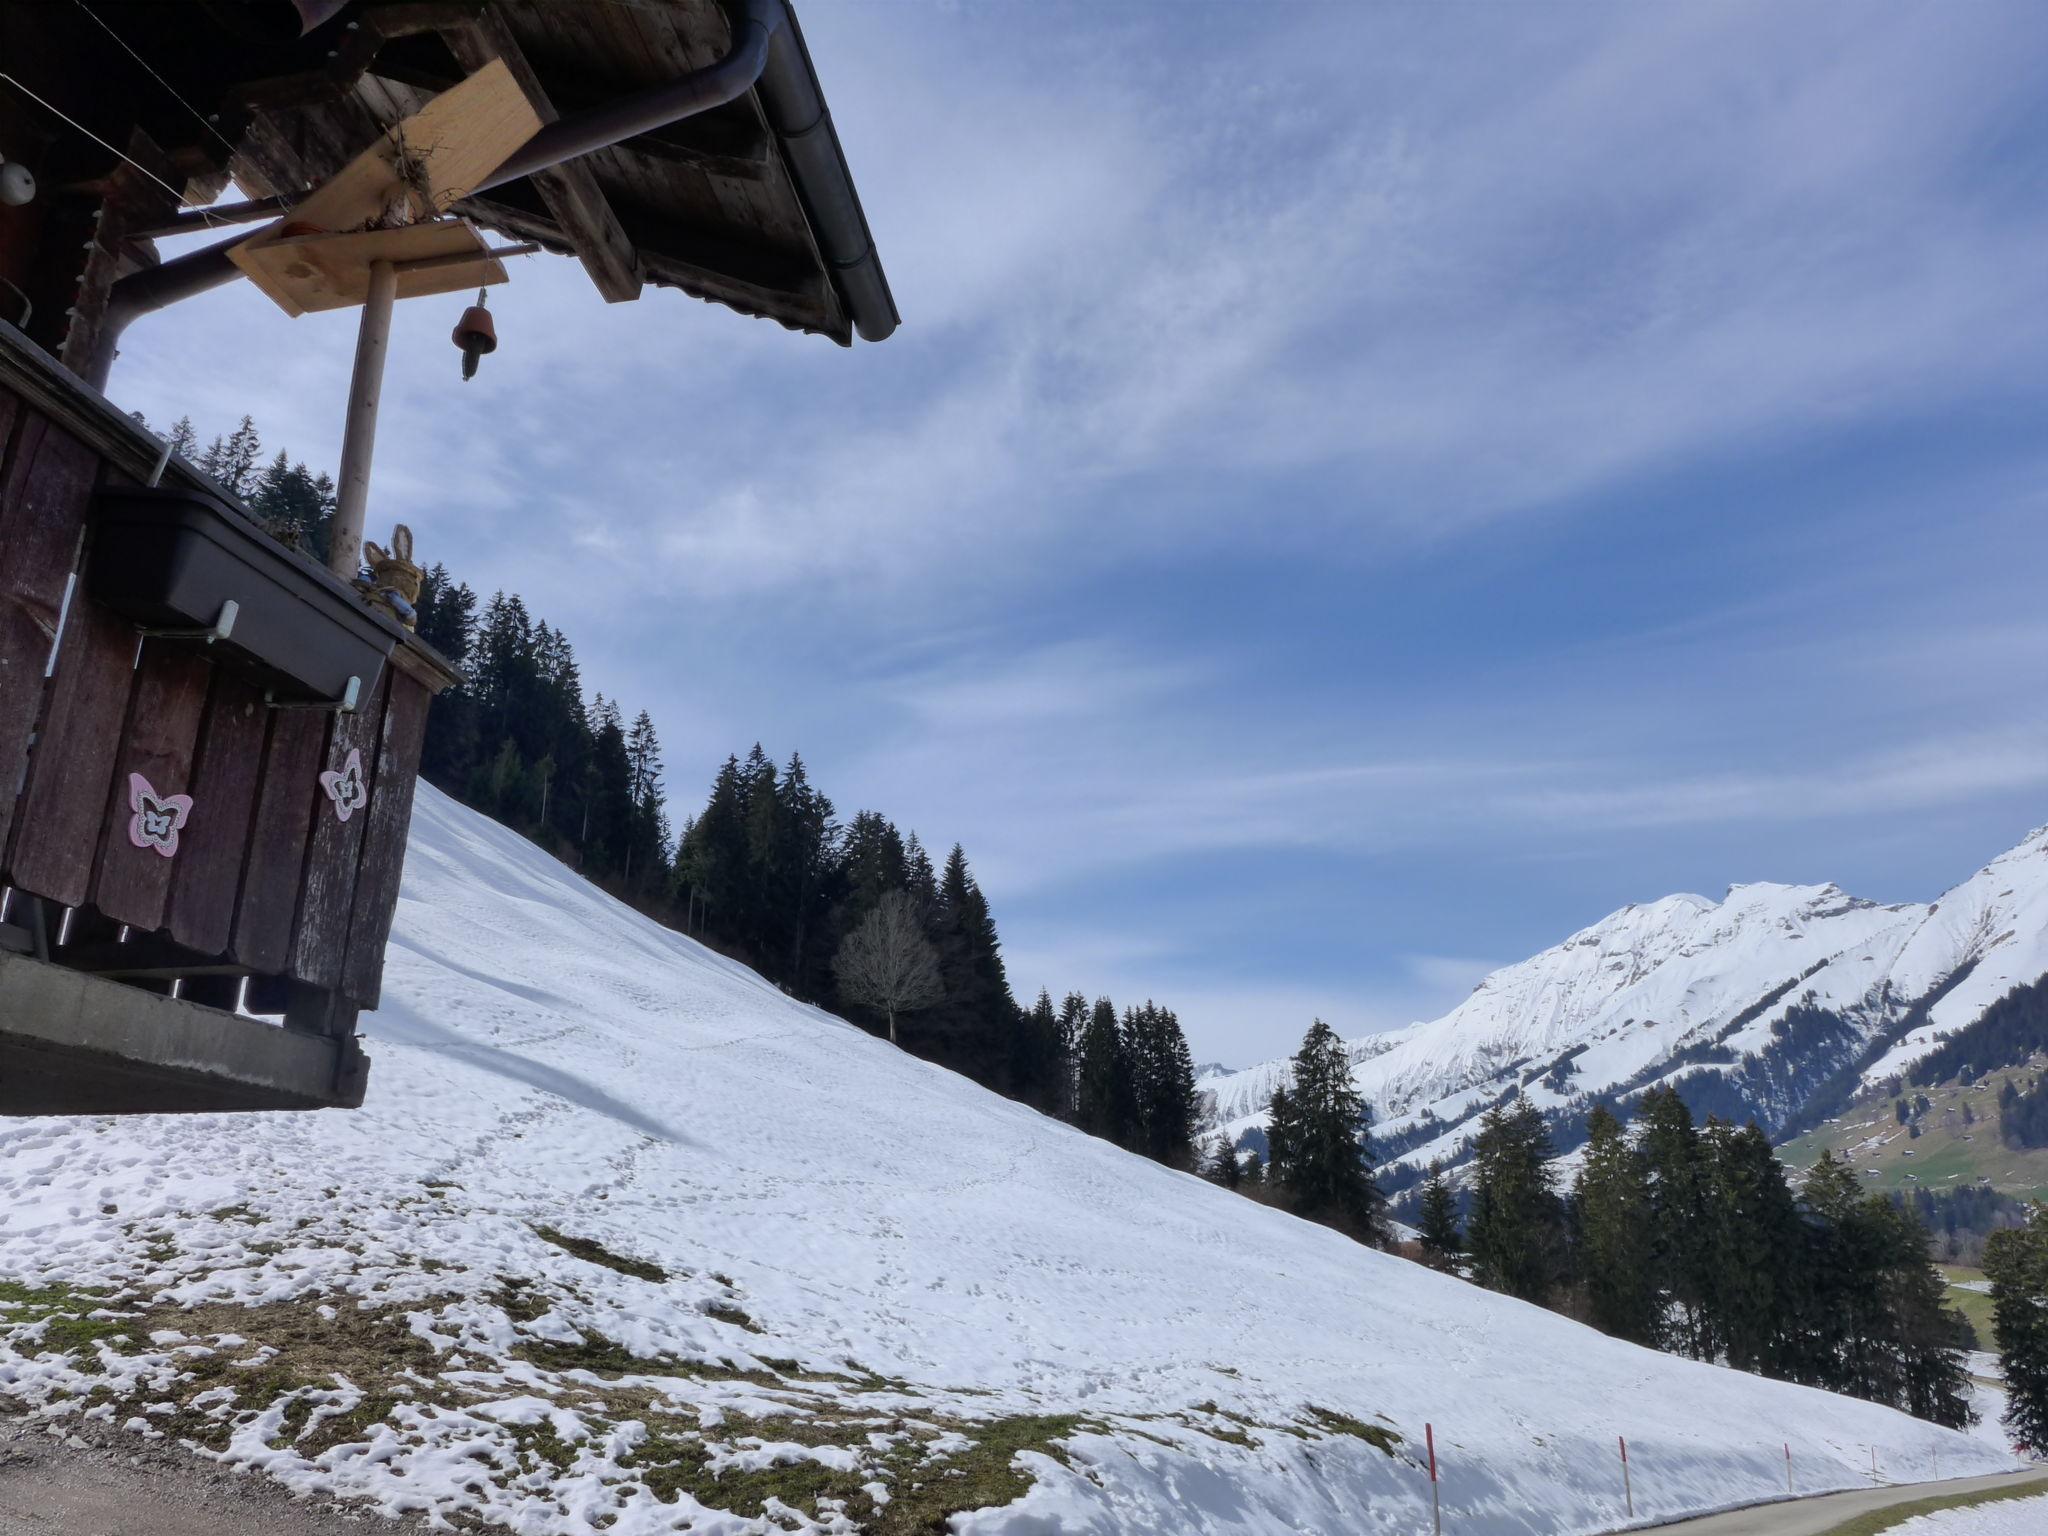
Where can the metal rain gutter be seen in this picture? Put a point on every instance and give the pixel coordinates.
(802, 123)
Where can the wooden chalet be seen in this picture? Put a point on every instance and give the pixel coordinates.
(208, 740)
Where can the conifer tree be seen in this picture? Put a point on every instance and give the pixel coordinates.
(1162, 1072)
(1037, 1061)
(1880, 1325)
(807, 873)
(1283, 1131)
(1437, 1226)
(1754, 1246)
(919, 878)
(1104, 1093)
(874, 861)
(1678, 1222)
(1611, 1209)
(1223, 1166)
(1924, 1336)
(1516, 1228)
(2016, 1262)
(184, 441)
(1329, 1151)
(972, 1031)
(1073, 1024)
(1841, 1266)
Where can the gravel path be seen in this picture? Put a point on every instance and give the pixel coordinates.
(88, 1480)
(1817, 1516)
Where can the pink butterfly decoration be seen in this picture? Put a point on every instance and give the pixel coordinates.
(346, 788)
(157, 817)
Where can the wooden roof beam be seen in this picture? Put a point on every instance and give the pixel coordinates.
(569, 190)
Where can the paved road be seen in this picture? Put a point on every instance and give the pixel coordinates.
(1812, 1517)
(94, 1481)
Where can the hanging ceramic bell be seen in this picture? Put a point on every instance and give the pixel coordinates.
(475, 334)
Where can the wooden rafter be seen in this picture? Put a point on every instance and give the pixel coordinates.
(569, 190)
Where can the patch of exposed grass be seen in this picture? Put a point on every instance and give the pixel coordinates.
(1884, 1519)
(61, 1311)
(1974, 1305)
(295, 1356)
(519, 1300)
(980, 1477)
(726, 1312)
(1377, 1436)
(365, 1347)
(591, 1352)
(925, 1492)
(290, 1347)
(591, 1251)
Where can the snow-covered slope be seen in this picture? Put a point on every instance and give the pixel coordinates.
(1698, 985)
(867, 1289)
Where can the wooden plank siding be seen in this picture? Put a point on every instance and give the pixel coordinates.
(45, 489)
(327, 894)
(207, 872)
(64, 808)
(266, 880)
(165, 702)
(389, 815)
(278, 833)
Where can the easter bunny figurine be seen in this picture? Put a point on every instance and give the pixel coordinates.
(394, 581)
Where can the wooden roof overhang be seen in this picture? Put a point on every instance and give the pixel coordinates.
(739, 205)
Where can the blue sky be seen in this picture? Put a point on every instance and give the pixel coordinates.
(1360, 491)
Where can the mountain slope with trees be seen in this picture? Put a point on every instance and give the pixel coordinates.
(765, 872)
(625, 1240)
(1779, 1004)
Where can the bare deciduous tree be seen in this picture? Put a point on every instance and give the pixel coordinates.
(886, 963)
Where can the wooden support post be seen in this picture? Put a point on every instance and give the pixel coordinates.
(359, 436)
(311, 1010)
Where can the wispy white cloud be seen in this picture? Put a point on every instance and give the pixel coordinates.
(1347, 287)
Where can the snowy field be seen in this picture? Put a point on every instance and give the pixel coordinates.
(809, 1283)
(2008, 1517)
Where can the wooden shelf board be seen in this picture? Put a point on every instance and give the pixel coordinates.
(304, 273)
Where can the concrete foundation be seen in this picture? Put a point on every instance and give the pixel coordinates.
(75, 1044)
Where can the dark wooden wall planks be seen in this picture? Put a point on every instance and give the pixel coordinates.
(278, 833)
(65, 805)
(45, 487)
(208, 870)
(165, 703)
(389, 815)
(327, 894)
(266, 876)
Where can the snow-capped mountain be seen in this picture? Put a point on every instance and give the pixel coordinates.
(1759, 1001)
(626, 1241)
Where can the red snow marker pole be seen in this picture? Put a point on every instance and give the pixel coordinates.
(1788, 1466)
(1628, 1491)
(1436, 1508)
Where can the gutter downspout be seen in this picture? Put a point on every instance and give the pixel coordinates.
(145, 292)
(800, 120)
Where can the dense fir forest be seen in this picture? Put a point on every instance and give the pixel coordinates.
(2023, 1113)
(765, 871)
(2007, 1034)
(1689, 1238)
